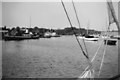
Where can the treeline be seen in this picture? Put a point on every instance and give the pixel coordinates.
(65, 31)
(70, 31)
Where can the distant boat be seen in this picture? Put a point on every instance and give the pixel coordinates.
(50, 34)
(110, 41)
(47, 35)
(115, 37)
(54, 35)
(89, 38)
(7, 37)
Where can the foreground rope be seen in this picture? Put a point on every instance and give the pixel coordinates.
(88, 67)
(74, 31)
(79, 26)
(102, 60)
(88, 74)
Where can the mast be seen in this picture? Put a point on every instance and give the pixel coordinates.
(119, 40)
(88, 25)
(30, 22)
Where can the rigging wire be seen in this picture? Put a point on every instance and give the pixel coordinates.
(79, 26)
(74, 31)
(90, 71)
(102, 60)
(84, 42)
(110, 7)
(108, 29)
(93, 58)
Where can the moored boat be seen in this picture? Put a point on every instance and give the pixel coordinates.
(115, 37)
(89, 38)
(110, 41)
(7, 37)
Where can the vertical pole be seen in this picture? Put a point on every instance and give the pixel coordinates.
(119, 40)
(30, 22)
(88, 25)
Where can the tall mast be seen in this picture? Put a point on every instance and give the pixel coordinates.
(30, 22)
(118, 34)
(88, 25)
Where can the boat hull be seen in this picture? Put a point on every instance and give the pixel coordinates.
(115, 37)
(89, 39)
(19, 37)
(110, 42)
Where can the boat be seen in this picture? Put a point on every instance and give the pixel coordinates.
(89, 37)
(89, 72)
(110, 41)
(54, 35)
(47, 35)
(115, 37)
(7, 37)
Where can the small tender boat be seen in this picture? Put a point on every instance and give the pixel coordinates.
(110, 41)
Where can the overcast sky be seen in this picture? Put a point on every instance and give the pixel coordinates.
(52, 15)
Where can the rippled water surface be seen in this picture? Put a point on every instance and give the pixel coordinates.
(55, 58)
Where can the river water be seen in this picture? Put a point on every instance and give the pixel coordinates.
(55, 58)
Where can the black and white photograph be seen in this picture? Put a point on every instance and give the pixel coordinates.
(61, 39)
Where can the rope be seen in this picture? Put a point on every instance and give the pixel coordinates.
(83, 40)
(96, 52)
(104, 51)
(79, 26)
(92, 58)
(73, 30)
(102, 60)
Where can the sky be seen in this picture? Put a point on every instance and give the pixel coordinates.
(52, 15)
(0, 14)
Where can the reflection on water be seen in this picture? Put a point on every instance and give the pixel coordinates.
(54, 57)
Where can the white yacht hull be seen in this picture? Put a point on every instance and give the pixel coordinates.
(89, 39)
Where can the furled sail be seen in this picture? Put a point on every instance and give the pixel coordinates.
(112, 15)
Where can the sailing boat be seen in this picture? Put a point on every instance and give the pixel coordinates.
(89, 71)
(89, 37)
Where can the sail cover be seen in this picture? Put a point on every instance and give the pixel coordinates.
(111, 19)
(112, 15)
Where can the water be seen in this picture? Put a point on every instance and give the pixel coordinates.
(54, 58)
